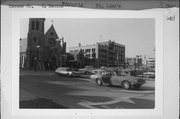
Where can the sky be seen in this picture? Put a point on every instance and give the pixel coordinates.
(138, 35)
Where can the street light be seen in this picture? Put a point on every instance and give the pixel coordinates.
(37, 57)
(38, 46)
(20, 62)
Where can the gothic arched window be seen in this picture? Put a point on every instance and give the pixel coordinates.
(37, 25)
(33, 25)
(52, 33)
(34, 39)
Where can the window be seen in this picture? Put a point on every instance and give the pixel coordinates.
(87, 50)
(94, 55)
(103, 73)
(34, 39)
(93, 50)
(88, 55)
(37, 25)
(32, 25)
(52, 33)
(51, 42)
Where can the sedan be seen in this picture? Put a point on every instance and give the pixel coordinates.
(125, 81)
(87, 70)
(67, 71)
(149, 74)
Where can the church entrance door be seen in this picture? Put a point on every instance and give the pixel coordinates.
(53, 63)
(33, 63)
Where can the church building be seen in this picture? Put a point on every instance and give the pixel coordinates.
(44, 50)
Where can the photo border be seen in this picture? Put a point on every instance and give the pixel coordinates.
(82, 13)
(90, 14)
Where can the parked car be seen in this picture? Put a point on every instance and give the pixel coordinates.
(86, 70)
(136, 72)
(149, 74)
(67, 71)
(111, 78)
(95, 73)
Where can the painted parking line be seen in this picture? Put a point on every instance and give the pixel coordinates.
(92, 105)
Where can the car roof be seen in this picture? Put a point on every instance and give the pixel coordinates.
(63, 68)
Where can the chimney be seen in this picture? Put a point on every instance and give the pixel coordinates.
(62, 40)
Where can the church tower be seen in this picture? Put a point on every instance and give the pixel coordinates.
(35, 43)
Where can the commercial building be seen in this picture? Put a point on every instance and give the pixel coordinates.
(108, 53)
(130, 61)
(116, 53)
(151, 63)
(134, 63)
(96, 52)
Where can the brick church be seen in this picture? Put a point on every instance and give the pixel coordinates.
(44, 50)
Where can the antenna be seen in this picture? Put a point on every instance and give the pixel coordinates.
(52, 21)
(100, 37)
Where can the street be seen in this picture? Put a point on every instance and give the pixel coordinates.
(80, 93)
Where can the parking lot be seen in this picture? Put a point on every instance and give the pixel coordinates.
(76, 93)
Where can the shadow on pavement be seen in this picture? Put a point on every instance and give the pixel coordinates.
(40, 103)
(143, 88)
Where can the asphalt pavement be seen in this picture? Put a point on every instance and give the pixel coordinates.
(47, 90)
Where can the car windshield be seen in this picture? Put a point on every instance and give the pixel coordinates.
(124, 73)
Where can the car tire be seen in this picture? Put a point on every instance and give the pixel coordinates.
(137, 86)
(99, 82)
(126, 85)
(67, 75)
(110, 85)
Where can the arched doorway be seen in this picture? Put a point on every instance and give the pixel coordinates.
(33, 61)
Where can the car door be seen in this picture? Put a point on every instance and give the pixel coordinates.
(106, 77)
(114, 79)
(119, 79)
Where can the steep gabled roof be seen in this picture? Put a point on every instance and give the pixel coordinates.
(75, 53)
(53, 31)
